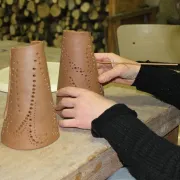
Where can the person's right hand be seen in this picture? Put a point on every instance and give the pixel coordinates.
(124, 73)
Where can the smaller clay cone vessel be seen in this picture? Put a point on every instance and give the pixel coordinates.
(30, 120)
(77, 63)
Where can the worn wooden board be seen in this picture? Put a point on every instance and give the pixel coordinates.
(77, 155)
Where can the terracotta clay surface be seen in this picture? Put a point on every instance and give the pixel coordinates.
(77, 63)
(30, 121)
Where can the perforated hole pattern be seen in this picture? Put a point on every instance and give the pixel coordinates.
(28, 122)
(86, 74)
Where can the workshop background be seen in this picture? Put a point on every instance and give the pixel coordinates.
(26, 20)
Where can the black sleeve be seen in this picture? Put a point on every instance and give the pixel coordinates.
(163, 83)
(147, 156)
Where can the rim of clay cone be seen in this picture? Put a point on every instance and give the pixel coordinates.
(32, 44)
(79, 32)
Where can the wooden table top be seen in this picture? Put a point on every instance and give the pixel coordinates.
(77, 155)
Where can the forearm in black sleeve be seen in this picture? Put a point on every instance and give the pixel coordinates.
(148, 156)
(163, 83)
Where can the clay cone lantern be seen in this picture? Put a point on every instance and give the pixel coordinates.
(30, 120)
(77, 63)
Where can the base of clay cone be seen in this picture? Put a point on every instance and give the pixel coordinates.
(23, 148)
(30, 118)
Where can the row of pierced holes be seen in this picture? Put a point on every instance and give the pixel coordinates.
(87, 56)
(78, 70)
(29, 112)
(88, 50)
(9, 115)
(94, 63)
(30, 109)
(54, 114)
(31, 138)
(72, 81)
(41, 70)
(31, 106)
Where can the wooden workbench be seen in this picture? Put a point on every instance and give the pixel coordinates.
(77, 155)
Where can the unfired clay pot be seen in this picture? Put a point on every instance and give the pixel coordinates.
(30, 120)
(77, 63)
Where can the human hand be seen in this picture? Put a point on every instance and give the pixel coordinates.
(81, 106)
(124, 73)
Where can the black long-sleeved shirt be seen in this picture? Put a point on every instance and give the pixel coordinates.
(147, 156)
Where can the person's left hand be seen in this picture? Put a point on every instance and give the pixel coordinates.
(81, 107)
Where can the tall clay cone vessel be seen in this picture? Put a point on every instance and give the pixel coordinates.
(77, 63)
(30, 120)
